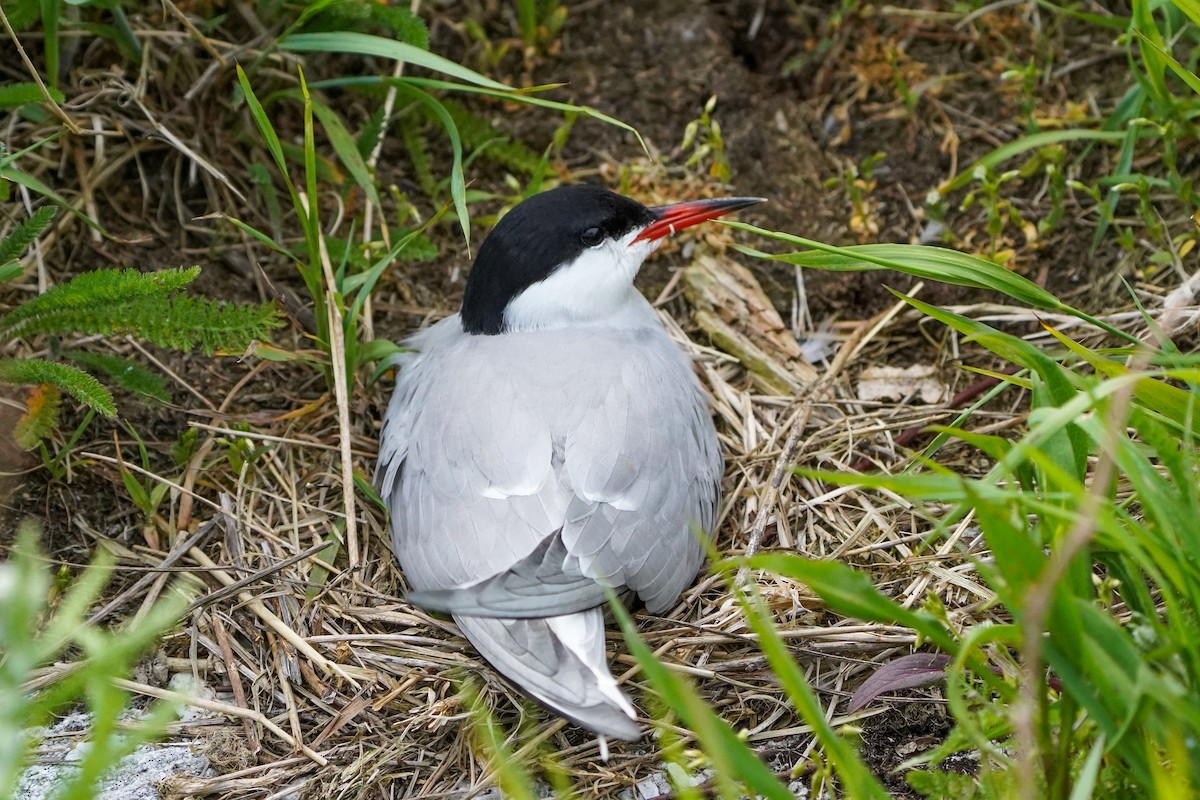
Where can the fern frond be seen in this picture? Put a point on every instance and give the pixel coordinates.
(108, 302)
(102, 291)
(403, 23)
(72, 380)
(418, 151)
(40, 417)
(17, 242)
(501, 147)
(128, 374)
(370, 133)
(184, 323)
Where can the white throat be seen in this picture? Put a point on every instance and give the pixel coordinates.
(594, 289)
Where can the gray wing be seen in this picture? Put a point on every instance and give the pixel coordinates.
(561, 663)
(525, 498)
(547, 582)
(523, 482)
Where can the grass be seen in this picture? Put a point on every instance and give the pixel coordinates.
(1037, 536)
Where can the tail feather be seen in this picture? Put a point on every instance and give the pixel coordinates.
(560, 662)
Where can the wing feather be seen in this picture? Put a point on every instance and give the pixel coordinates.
(497, 450)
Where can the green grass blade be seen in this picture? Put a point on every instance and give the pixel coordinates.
(855, 777)
(1189, 7)
(51, 13)
(930, 263)
(523, 95)
(262, 238)
(264, 124)
(1024, 145)
(368, 45)
(731, 757)
(346, 149)
(34, 185)
(372, 275)
(1150, 45)
(1184, 74)
(458, 184)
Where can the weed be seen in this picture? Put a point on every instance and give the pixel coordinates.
(540, 22)
(150, 306)
(1152, 117)
(1102, 485)
(858, 182)
(32, 638)
(702, 136)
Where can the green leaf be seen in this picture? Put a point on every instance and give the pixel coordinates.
(72, 380)
(13, 95)
(1023, 145)
(368, 45)
(347, 150)
(852, 594)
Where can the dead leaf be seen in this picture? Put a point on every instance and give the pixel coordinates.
(908, 672)
(901, 383)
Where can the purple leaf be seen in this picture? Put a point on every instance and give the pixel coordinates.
(907, 672)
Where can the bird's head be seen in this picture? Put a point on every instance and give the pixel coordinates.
(569, 256)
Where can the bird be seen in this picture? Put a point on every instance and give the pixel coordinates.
(549, 443)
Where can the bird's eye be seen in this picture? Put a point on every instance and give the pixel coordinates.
(592, 236)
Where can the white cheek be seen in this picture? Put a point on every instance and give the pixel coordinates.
(596, 285)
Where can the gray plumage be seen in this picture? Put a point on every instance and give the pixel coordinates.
(549, 444)
(592, 444)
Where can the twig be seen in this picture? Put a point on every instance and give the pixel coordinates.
(176, 553)
(55, 108)
(275, 623)
(337, 355)
(222, 708)
(235, 681)
(237, 586)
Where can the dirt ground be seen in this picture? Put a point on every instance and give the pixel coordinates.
(803, 100)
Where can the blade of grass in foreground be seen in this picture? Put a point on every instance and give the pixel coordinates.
(368, 45)
(731, 757)
(855, 777)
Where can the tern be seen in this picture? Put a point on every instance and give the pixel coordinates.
(549, 443)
